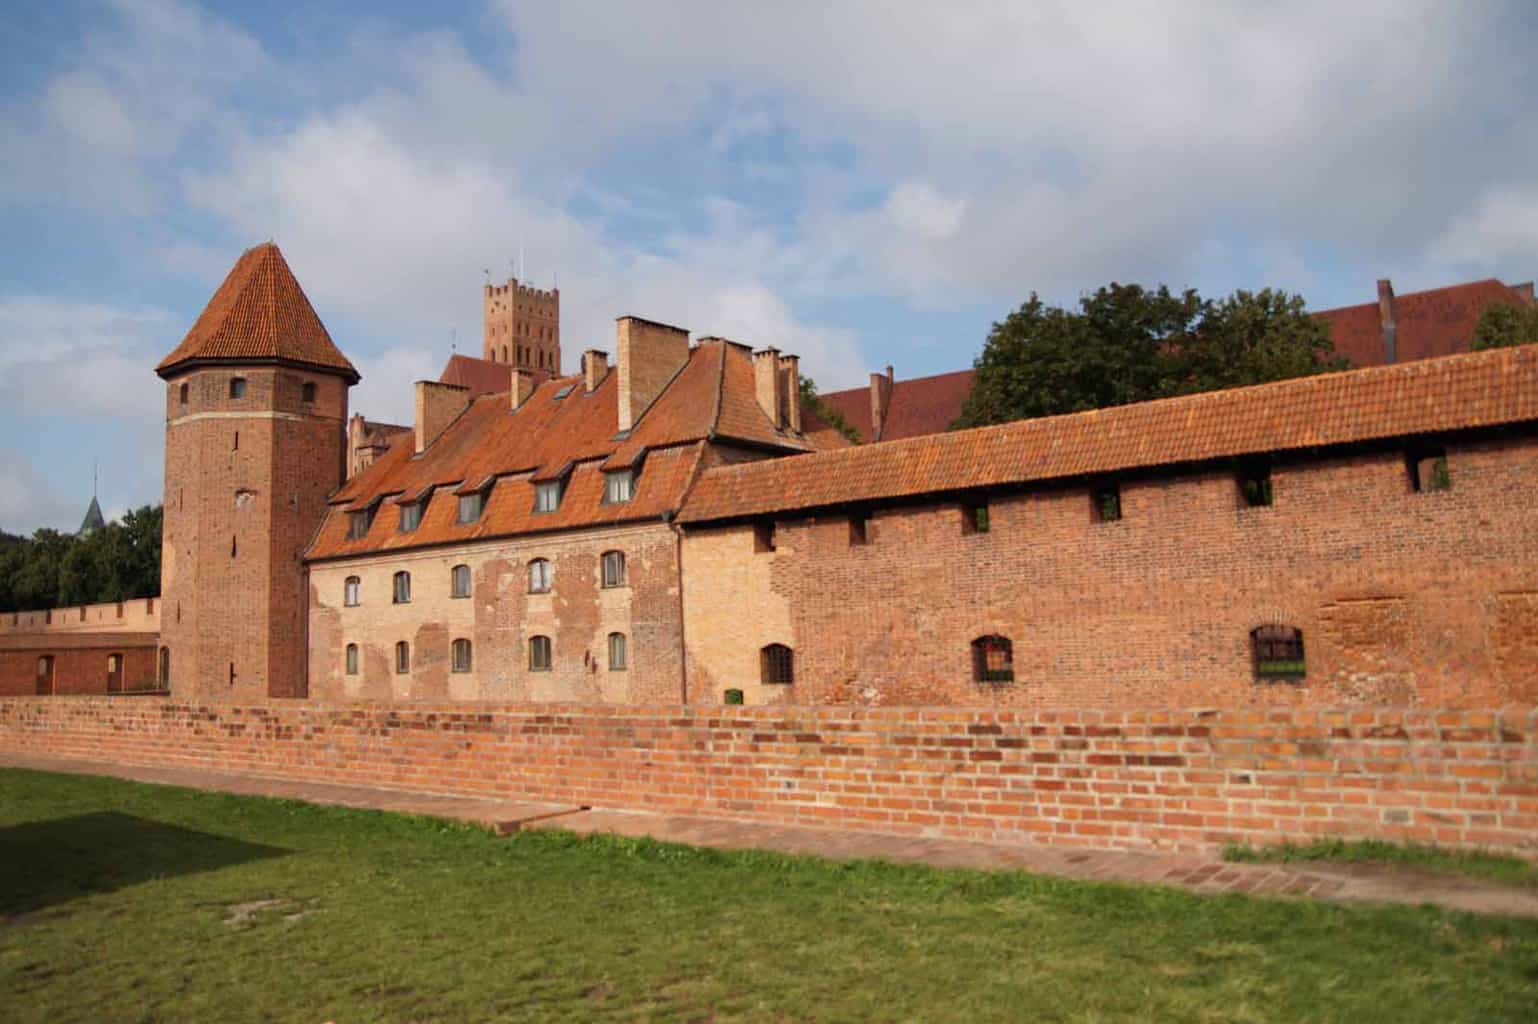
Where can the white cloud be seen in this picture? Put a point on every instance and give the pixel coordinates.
(1503, 225)
(59, 358)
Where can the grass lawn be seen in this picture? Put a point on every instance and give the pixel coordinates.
(127, 902)
(1490, 867)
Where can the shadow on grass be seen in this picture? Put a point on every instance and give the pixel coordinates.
(43, 863)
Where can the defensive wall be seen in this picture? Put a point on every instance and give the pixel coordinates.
(96, 648)
(1174, 779)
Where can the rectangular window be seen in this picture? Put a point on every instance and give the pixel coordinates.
(539, 654)
(618, 487)
(1428, 469)
(547, 496)
(402, 658)
(616, 652)
(350, 591)
(470, 507)
(358, 523)
(1255, 483)
(1105, 502)
(461, 655)
(974, 517)
(460, 581)
(613, 569)
(859, 529)
(763, 537)
(411, 516)
(402, 590)
(352, 659)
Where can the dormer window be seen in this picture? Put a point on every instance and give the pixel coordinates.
(411, 516)
(547, 496)
(470, 507)
(618, 487)
(358, 523)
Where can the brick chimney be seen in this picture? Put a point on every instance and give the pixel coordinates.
(521, 386)
(438, 405)
(790, 392)
(647, 355)
(880, 401)
(769, 385)
(1386, 321)
(595, 367)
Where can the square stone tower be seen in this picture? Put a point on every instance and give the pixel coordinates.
(523, 327)
(256, 410)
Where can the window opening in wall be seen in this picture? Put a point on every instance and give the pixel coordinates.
(539, 654)
(164, 675)
(732, 696)
(539, 576)
(1428, 469)
(1277, 652)
(616, 652)
(45, 674)
(763, 537)
(402, 590)
(1105, 502)
(459, 581)
(402, 657)
(237, 387)
(307, 392)
(352, 588)
(232, 673)
(547, 496)
(777, 664)
(411, 516)
(232, 547)
(1254, 478)
(358, 523)
(182, 394)
(461, 656)
(352, 659)
(974, 517)
(470, 507)
(859, 529)
(618, 487)
(613, 569)
(993, 659)
(235, 445)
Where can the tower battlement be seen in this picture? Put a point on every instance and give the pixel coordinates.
(522, 326)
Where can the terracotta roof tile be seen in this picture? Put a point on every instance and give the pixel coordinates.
(259, 313)
(1452, 393)
(922, 405)
(1432, 323)
(482, 376)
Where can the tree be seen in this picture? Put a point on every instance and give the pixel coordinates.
(1502, 325)
(117, 562)
(1127, 344)
(810, 399)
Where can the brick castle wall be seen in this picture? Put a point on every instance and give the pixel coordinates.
(77, 670)
(1404, 598)
(1128, 779)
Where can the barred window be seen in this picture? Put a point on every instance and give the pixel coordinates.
(1277, 652)
(993, 659)
(777, 664)
(402, 657)
(402, 592)
(616, 652)
(539, 576)
(539, 654)
(461, 659)
(351, 589)
(352, 659)
(459, 581)
(613, 569)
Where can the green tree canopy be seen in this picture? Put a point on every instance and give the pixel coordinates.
(1126, 343)
(1502, 325)
(52, 569)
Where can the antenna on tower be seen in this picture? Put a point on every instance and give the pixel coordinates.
(520, 258)
(95, 466)
(453, 340)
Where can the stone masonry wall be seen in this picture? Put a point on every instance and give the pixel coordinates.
(1129, 779)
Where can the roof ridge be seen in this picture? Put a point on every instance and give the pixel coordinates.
(715, 412)
(1401, 296)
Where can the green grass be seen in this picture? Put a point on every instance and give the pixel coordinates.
(1490, 867)
(117, 902)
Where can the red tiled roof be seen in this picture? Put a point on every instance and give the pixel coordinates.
(923, 405)
(259, 313)
(1438, 322)
(711, 399)
(1457, 392)
(482, 376)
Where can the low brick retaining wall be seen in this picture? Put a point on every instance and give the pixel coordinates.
(1172, 779)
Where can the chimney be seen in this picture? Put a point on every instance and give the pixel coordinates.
(769, 385)
(880, 401)
(520, 387)
(357, 431)
(647, 356)
(790, 391)
(1386, 321)
(595, 367)
(438, 405)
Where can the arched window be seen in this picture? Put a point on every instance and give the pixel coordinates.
(352, 659)
(539, 654)
(777, 664)
(459, 581)
(237, 387)
(182, 393)
(461, 659)
(539, 576)
(402, 588)
(45, 674)
(307, 392)
(617, 661)
(402, 657)
(351, 588)
(993, 659)
(1277, 652)
(614, 568)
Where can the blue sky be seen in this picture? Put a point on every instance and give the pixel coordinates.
(860, 183)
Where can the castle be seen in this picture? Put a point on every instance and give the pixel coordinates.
(675, 528)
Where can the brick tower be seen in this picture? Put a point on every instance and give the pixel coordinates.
(256, 409)
(523, 327)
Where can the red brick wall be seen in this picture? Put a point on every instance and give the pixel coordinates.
(79, 670)
(1404, 598)
(1172, 779)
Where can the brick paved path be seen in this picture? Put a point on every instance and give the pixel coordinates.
(1201, 874)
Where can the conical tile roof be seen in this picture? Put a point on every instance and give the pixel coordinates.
(93, 518)
(260, 314)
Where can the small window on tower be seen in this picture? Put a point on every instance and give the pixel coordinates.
(237, 387)
(352, 659)
(182, 393)
(1105, 502)
(307, 392)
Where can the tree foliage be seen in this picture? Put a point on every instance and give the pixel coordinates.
(50, 569)
(1126, 343)
(1502, 325)
(810, 399)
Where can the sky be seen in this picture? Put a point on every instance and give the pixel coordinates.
(860, 183)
